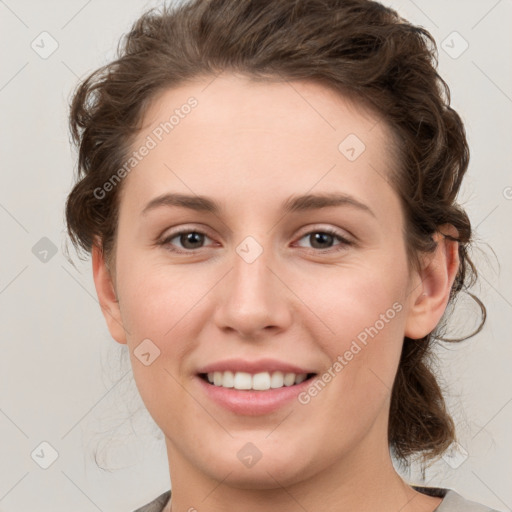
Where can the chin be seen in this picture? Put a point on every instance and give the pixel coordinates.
(269, 472)
(265, 477)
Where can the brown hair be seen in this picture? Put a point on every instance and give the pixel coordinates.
(358, 47)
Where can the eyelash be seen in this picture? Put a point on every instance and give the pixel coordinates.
(329, 231)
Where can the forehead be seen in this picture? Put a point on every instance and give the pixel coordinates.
(298, 107)
(238, 139)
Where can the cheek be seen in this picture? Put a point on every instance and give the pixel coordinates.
(360, 319)
(336, 304)
(162, 306)
(349, 299)
(158, 308)
(157, 300)
(352, 311)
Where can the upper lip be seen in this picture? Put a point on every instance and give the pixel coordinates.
(256, 366)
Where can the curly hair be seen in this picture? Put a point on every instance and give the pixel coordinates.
(361, 49)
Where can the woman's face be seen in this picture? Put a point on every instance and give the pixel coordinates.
(260, 281)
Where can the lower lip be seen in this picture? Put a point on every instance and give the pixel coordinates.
(253, 403)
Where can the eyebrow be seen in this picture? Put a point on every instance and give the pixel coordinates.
(301, 203)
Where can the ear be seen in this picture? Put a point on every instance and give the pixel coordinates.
(433, 284)
(107, 295)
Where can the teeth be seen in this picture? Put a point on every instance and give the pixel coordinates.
(259, 381)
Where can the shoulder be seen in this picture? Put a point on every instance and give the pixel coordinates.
(453, 501)
(157, 505)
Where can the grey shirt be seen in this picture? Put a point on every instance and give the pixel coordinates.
(452, 501)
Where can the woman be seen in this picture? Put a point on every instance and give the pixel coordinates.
(268, 192)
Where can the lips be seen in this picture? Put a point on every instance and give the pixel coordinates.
(252, 402)
(253, 367)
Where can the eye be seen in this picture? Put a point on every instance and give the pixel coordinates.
(189, 239)
(322, 239)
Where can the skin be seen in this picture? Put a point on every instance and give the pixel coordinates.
(250, 146)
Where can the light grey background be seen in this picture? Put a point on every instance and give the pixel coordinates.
(61, 381)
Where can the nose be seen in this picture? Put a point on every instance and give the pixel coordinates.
(254, 299)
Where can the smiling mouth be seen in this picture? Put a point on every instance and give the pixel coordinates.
(263, 381)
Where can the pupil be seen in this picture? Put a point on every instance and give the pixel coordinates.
(189, 238)
(321, 237)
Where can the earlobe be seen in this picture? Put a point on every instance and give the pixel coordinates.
(429, 298)
(107, 295)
